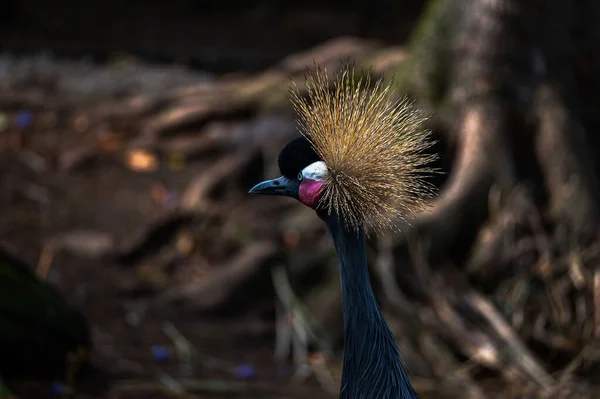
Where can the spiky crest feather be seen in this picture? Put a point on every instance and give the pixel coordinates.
(372, 143)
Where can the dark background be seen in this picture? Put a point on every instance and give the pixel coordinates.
(130, 133)
(223, 36)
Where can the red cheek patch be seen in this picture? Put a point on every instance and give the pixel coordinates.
(310, 192)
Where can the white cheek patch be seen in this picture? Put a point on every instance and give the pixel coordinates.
(315, 171)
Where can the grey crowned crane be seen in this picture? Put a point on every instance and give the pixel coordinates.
(360, 163)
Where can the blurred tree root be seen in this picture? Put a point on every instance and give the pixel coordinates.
(505, 259)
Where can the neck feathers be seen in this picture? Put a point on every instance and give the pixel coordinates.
(372, 364)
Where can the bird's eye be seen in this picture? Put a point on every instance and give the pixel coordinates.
(300, 176)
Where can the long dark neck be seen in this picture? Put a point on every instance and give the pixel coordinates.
(372, 363)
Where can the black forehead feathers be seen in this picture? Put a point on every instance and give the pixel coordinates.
(295, 156)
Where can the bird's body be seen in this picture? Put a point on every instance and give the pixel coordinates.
(359, 163)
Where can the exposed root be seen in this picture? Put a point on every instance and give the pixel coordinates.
(483, 335)
(297, 326)
(198, 189)
(572, 190)
(462, 206)
(266, 91)
(211, 292)
(499, 243)
(153, 238)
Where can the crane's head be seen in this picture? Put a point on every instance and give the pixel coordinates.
(361, 155)
(303, 177)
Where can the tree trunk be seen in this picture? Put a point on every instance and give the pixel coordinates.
(517, 217)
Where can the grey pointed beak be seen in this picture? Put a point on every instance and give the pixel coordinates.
(280, 186)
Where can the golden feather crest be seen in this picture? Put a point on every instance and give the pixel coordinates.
(373, 145)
